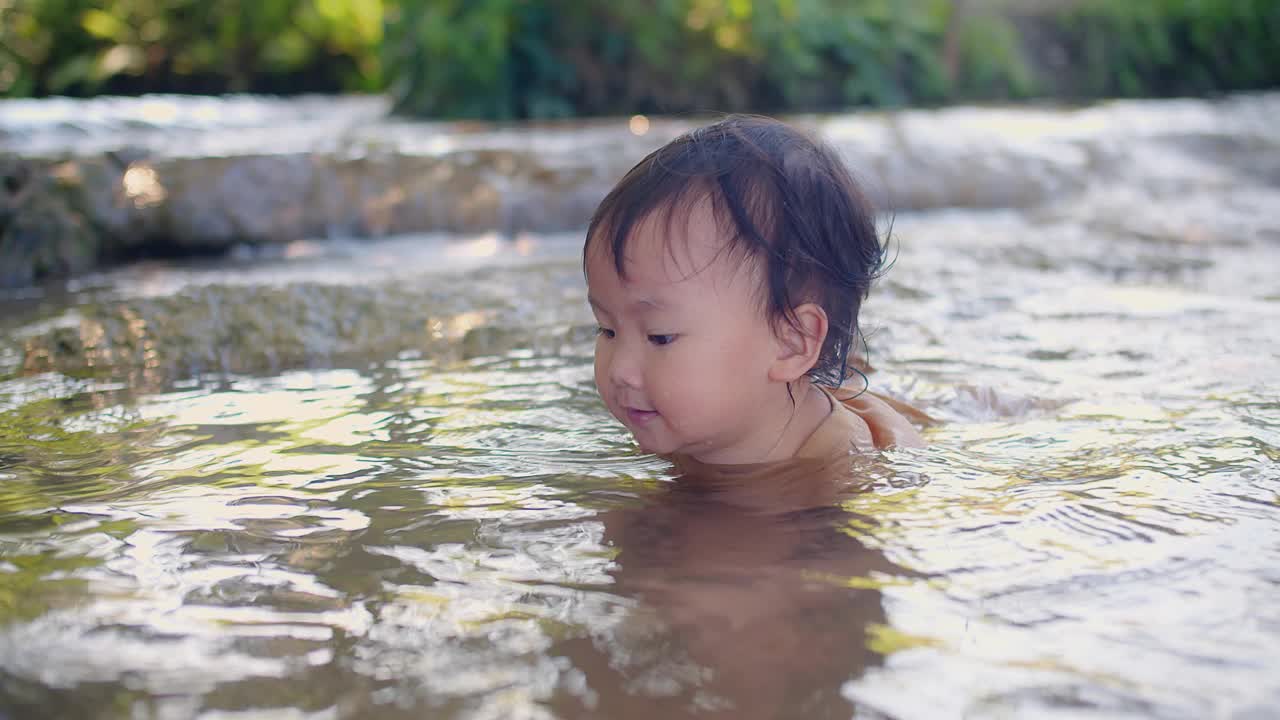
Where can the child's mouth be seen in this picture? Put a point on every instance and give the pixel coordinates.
(640, 417)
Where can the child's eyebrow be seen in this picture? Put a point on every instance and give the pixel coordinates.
(641, 304)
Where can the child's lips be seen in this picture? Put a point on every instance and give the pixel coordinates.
(640, 417)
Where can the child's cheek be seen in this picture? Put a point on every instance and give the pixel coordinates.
(671, 384)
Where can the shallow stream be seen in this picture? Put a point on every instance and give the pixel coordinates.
(373, 480)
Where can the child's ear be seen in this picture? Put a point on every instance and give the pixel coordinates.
(799, 343)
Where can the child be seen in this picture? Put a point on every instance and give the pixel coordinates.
(726, 271)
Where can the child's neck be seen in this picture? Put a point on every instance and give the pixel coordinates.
(811, 408)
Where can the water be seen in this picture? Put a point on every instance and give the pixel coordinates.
(374, 481)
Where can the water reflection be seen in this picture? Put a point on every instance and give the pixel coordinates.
(756, 599)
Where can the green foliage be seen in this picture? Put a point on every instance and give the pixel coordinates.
(90, 46)
(546, 58)
(508, 59)
(1171, 47)
(990, 60)
(560, 57)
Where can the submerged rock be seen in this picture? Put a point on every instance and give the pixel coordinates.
(254, 328)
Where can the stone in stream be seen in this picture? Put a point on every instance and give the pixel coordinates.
(223, 328)
(91, 182)
(43, 229)
(63, 217)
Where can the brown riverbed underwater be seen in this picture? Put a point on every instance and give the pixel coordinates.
(372, 479)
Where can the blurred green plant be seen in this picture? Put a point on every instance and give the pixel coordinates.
(1170, 47)
(560, 57)
(507, 59)
(548, 58)
(89, 46)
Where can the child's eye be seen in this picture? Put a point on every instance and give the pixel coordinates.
(662, 339)
(604, 331)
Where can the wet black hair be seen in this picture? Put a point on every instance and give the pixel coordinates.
(781, 198)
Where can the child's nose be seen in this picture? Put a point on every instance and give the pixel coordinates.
(624, 371)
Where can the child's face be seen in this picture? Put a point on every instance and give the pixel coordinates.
(684, 351)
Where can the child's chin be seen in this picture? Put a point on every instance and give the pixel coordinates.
(653, 448)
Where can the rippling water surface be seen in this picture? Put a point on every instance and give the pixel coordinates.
(389, 489)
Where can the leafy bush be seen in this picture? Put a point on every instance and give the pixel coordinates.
(505, 59)
(547, 58)
(1171, 47)
(85, 46)
(561, 57)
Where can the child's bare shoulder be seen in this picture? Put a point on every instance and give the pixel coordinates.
(889, 420)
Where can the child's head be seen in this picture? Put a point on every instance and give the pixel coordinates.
(724, 268)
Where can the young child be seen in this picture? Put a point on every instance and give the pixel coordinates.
(726, 271)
